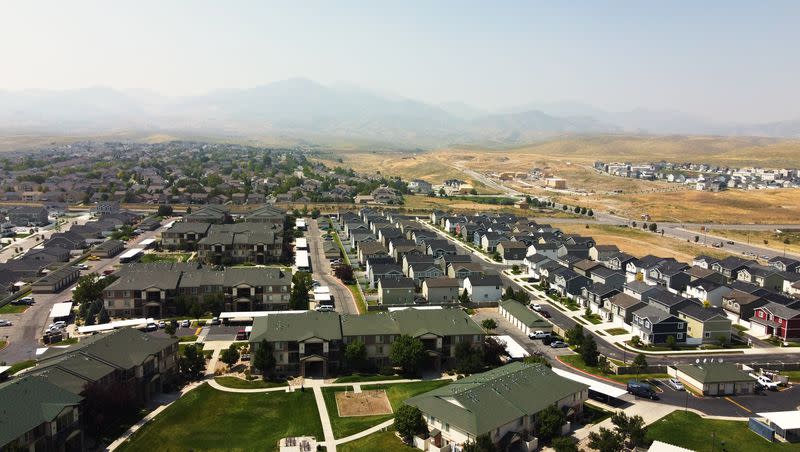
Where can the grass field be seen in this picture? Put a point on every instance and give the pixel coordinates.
(3, 344)
(377, 442)
(577, 362)
(13, 309)
(357, 378)
(687, 429)
(638, 242)
(207, 419)
(616, 331)
(164, 257)
(21, 365)
(238, 383)
(397, 393)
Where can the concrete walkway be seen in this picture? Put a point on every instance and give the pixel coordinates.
(367, 432)
(327, 428)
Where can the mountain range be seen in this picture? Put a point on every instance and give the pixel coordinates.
(305, 110)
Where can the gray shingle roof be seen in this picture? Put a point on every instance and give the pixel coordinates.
(28, 403)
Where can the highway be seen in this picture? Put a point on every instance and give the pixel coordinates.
(321, 271)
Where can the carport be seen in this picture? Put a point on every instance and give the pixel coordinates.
(785, 423)
(603, 392)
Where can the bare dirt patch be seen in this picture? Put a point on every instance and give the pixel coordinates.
(365, 403)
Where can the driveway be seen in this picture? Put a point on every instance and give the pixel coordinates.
(321, 271)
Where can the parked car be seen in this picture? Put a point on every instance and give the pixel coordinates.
(538, 335)
(5, 323)
(83, 267)
(766, 382)
(730, 242)
(151, 327)
(24, 300)
(675, 384)
(108, 271)
(215, 321)
(162, 324)
(545, 314)
(241, 335)
(185, 324)
(640, 389)
(535, 306)
(325, 308)
(558, 344)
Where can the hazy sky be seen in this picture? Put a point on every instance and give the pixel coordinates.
(720, 59)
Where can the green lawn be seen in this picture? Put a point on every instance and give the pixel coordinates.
(595, 414)
(171, 257)
(594, 318)
(18, 366)
(686, 429)
(3, 344)
(238, 383)
(191, 338)
(357, 378)
(577, 362)
(70, 341)
(397, 394)
(13, 309)
(377, 442)
(616, 331)
(362, 305)
(207, 419)
(182, 347)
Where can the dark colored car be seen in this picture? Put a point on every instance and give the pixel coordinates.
(642, 390)
(544, 314)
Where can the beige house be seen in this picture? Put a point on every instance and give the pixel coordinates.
(440, 290)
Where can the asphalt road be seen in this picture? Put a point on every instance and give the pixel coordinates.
(29, 326)
(321, 271)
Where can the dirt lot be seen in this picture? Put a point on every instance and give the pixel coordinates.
(365, 403)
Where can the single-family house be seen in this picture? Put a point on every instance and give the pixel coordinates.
(484, 288)
(653, 325)
(441, 290)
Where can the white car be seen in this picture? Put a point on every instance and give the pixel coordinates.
(675, 384)
(5, 323)
(535, 306)
(185, 324)
(325, 308)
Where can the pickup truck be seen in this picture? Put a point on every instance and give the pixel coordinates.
(765, 382)
(538, 335)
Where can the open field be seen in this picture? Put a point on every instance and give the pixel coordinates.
(639, 243)
(687, 429)
(396, 393)
(732, 206)
(205, 418)
(572, 158)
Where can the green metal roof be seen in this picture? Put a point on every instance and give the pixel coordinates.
(483, 402)
(715, 372)
(29, 402)
(523, 314)
(297, 327)
(124, 348)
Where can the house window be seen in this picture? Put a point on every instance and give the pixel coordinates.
(446, 427)
(707, 335)
(680, 326)
(680, 336)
